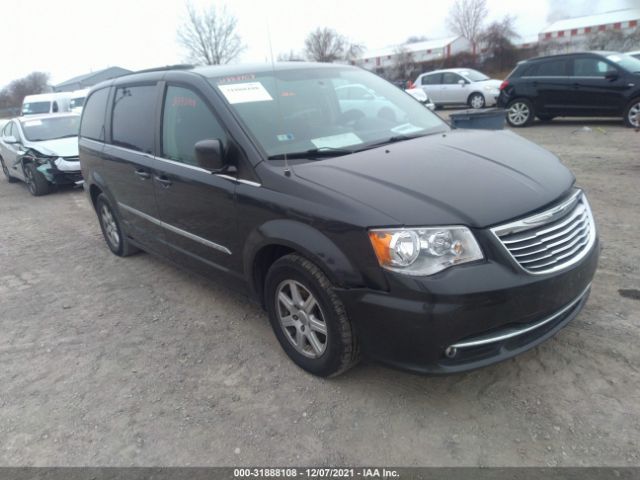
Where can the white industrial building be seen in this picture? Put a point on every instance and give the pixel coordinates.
(421, 52)
(573, 32)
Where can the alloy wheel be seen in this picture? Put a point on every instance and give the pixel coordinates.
(301, 318)
(519, 113)
(634, 115)
(477, 101)
(110, 226)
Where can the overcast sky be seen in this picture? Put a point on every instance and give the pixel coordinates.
(72, 37)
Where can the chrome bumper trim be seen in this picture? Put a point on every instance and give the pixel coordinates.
(514, 332)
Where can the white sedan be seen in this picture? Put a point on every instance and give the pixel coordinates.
(459, 86)
(41, 150)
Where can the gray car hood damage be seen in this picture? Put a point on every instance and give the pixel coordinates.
(59, 147)
(473, 177)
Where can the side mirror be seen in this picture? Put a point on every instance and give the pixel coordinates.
(461, 82)
(209, 155)
(10, 140)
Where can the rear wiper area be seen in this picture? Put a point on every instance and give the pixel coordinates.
(324, 152)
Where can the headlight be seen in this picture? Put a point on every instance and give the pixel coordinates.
(424, 251)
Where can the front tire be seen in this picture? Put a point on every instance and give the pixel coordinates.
(308, 318)
(476, 101)
(5, 170)
(520, 113)
(632, 114)
(36, 181)
(111, 227)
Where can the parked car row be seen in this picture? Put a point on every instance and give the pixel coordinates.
(58, 102)
(601, 84)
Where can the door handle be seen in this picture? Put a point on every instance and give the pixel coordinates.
(143, 174)
(164, 181)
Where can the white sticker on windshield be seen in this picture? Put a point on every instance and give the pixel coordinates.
(32, 123)
(406, 128)
(336, 141)
(245, 92)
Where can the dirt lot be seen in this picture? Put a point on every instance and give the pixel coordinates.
(110, 361)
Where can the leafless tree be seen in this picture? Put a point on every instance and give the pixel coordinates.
(290, 56)
(416, 39)
(210, 35)
(13, 94)
(327, 45)
(496, 42)
(466, 18)
(618, 40)
(403, 63)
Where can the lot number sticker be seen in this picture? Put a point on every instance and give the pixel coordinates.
(245, 92)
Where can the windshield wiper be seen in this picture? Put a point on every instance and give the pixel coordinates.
(394, 139)
(323, 152)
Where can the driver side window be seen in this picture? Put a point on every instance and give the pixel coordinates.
(187, 119)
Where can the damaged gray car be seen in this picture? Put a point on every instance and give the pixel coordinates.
(42, 151)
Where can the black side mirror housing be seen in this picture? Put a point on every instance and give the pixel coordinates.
(209, 155)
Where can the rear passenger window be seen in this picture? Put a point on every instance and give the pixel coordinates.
(132, 120)
(431, 79)
(186, 119)
(93, 115)
(551, 68)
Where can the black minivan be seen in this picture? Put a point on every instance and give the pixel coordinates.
(364, 226)
(589, 84)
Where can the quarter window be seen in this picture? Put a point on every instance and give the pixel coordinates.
(132, 120)
(93, 115)
(186, 119)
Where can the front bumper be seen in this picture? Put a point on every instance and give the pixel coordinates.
(466, 317)
(62, 172)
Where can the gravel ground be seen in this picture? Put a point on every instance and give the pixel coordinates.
(110, 361)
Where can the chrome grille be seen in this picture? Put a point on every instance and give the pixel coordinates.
(551, 240)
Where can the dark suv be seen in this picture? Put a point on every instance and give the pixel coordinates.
(602, 84)
(362, 227)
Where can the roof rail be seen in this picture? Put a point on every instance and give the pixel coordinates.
(180, 66)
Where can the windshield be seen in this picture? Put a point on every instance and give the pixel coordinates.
(627, 62)
(335, 109)
(474, 75)
(50, 128)
(36, 107)
(77, 102)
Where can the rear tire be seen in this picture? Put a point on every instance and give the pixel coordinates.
(520, 113)
(36, 181)
(111, 227)
(632, 113)
(5, 170)
(302, 304)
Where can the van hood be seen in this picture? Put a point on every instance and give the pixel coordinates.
(60, 147)
(471, 177)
